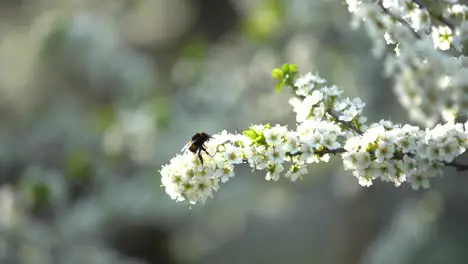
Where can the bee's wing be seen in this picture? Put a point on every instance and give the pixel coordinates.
(184, 149)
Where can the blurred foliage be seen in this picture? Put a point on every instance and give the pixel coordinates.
(264, 20)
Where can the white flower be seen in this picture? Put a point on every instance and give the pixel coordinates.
(407, 143)
(295, 103)
(449, 150)
(442, 37)
(353, 5)
(233, 154)
(306, 83)
(206, 173)
(275, 154)
(339, 105)
(357, 103)
(329, 140)
(224, 173)
(256, 156)
(349, 114)
(386, 124)
(362, 160)
(274, 172)
(384, 151)
(433, 152)
(418, 180)
(292, 143)
(349, 160)
(352, 144)
(221, 138)
(362, 120)
(420, 19)
(316, 97)
(398, 179)
(274, 136)
(389, 39)
(407, 165)
(324, 158)
(388, 171)
(332, 91)
(313, 139)
(365, 178)
(318, 112)
(304, 109)
(356, 161)
(295, 172)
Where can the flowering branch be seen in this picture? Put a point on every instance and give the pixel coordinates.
(429, 83)
(327, 124)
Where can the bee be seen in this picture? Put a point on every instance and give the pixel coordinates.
(197, 144)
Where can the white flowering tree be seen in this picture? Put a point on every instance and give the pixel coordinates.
(421, 43)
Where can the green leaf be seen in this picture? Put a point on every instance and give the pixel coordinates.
(277, 74)
(196, 48)
(56, 37)
(292, 68)
(77, 165)
(250, 134)
(279, 87)
(161, 109)
(356, 123)
(264, 20)
(104, 117)
(285, 76)
(39, 194)
(260, 140)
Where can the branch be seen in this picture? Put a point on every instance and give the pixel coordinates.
(349, 125)
(438, 17)
(454, 164)
(457, 166)
(345, 123)
(399, 19)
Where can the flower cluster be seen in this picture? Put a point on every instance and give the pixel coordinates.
(186, 178)
(316, 100)
(327, 124)
(398, 154)
(428, 81)
(271, 148)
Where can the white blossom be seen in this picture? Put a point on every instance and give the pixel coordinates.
(442, 37)
(428, 81)
(273, 172)
(275, 135)
(292, 142)
(295, 172)
(275, 154)
(233, 154)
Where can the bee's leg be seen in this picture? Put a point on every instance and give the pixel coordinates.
(200, 156)
(204, 149)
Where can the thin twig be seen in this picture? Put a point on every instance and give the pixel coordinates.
(345, 123)
(399, 19)
(439, 17)
(457, 166)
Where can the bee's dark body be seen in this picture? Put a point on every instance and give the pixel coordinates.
(197, 144)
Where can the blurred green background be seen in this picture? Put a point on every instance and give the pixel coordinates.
(96, 95)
